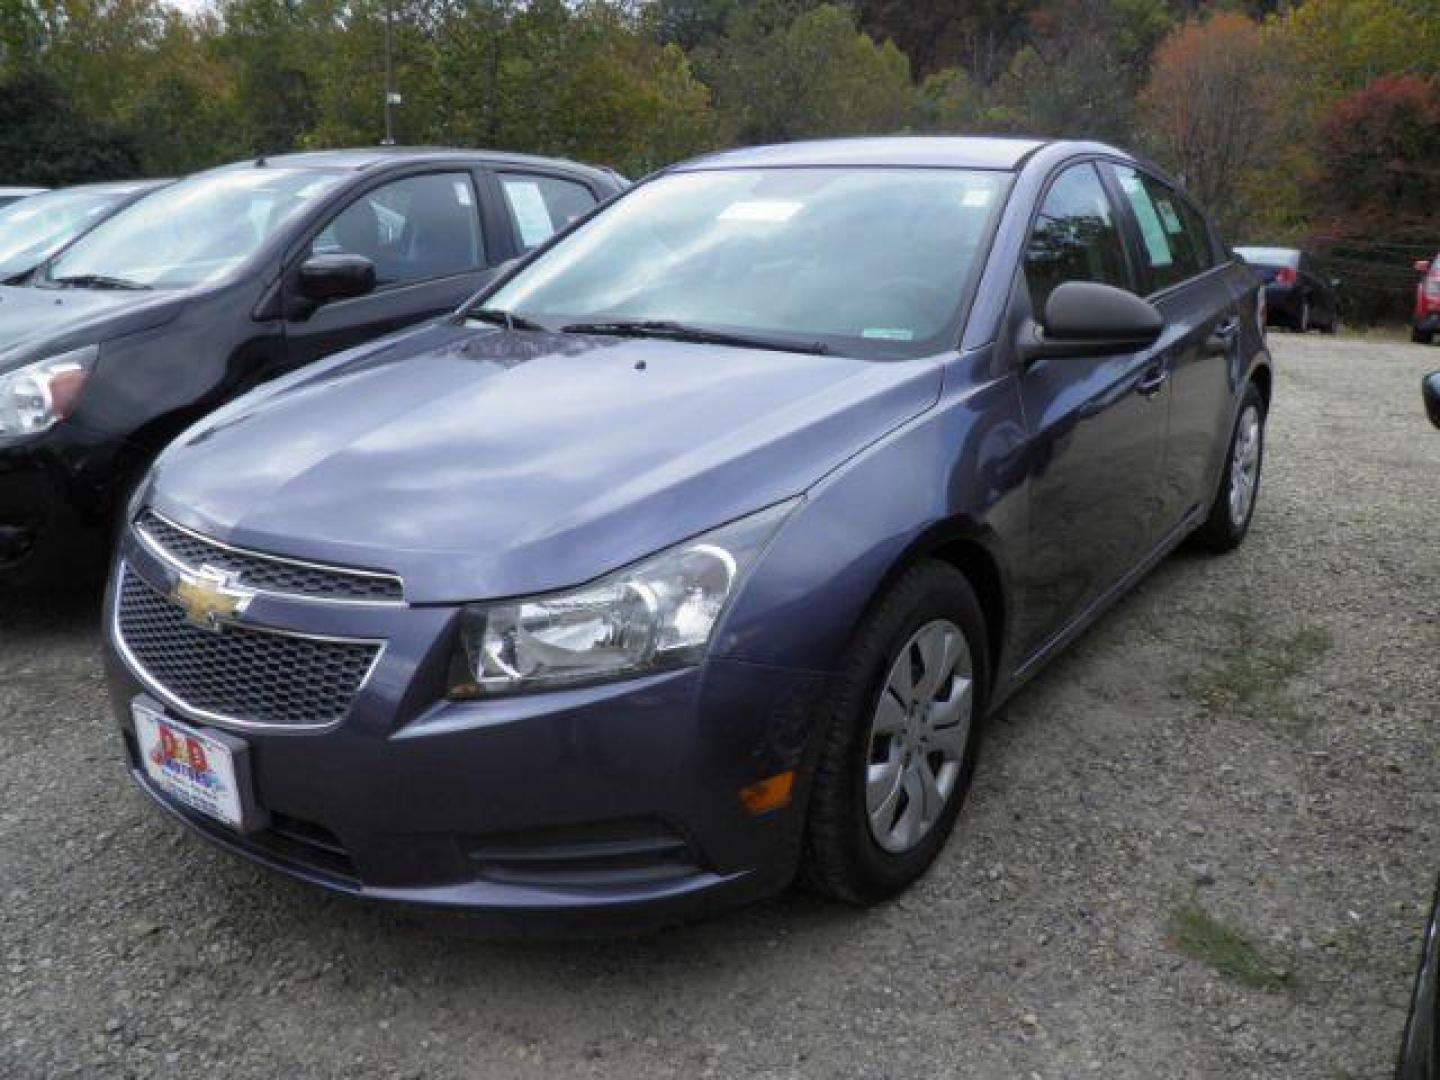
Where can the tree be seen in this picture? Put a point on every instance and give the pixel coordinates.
(1336, 47)
(1376, 185)
(44, 140)
(814, 76)
(1203, 112)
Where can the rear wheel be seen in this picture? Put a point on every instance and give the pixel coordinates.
(1421, 337)
(902, 739)
(1234, 506)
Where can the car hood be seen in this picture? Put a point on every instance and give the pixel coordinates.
(488, 463)
(35, 323)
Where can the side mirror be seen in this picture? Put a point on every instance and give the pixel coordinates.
(1430, 388)
(1085, 318)
(336, 277)
(1422, 266)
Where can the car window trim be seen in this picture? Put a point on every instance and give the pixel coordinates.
(498, 174)
(1018, 281)
(297, 251)
(1131, 268)
(1153, 294)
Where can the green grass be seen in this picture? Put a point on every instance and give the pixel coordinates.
(1197, 934)
(1254, 669)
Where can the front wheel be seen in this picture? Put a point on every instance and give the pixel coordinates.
(1234, 506)
(901, 740)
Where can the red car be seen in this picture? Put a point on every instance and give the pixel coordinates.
(1427, 302)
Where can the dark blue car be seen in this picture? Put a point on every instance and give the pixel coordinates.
(693, 552)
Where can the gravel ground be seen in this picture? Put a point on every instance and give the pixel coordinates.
(1201, 844)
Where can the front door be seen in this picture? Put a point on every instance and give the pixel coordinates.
(424, 235)
(1096, 424)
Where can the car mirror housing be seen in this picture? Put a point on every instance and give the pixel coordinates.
(1086, 318)
(336, 277)
(1430, 388)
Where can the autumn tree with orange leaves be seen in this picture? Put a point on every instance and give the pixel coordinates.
(1207, 110)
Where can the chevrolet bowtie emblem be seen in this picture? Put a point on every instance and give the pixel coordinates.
(211, 597)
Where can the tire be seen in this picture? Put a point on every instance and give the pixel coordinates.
(846, 855)
(1333, 326)
(1227, 523)
(1421, 337)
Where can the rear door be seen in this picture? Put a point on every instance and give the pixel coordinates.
(425, 233)
(1185, 280)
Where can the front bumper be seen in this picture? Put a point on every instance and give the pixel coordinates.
(615, 805)
(55, 491)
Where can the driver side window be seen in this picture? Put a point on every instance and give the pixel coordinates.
(1075, 237)
(414, 229)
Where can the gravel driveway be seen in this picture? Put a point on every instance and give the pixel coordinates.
(1201, 844)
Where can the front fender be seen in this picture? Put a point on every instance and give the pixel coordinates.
(954, 472)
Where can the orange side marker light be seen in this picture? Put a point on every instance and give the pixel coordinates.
(772, 793)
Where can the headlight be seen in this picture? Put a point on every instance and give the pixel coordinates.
(36, 397)
(658, 613)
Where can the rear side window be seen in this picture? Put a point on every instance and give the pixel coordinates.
(1075, 237)
(414, 229)
(1173, 236)
(540, 206)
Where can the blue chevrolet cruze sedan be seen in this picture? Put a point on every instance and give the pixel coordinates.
(690, 555)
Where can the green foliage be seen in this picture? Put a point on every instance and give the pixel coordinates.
(815, 75)
(44, 140)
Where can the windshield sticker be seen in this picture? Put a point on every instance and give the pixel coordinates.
(978, 197)
(462, 192)
(1152, 231)
(1168, 215)
(885, 333)
(768, 210)
(532, 216)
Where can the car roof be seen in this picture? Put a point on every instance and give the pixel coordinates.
(118, 187)
(914, 151)
(22, 190)
(362, 159)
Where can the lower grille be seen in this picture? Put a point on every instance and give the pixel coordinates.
(239, 674)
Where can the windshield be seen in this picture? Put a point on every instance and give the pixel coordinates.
(33, 229)
(863, 259)
(192, 232)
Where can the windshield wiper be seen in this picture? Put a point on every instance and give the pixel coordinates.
(509, 319)
(98, 281)
(677, 331)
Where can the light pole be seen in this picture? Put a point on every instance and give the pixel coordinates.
(391, 97)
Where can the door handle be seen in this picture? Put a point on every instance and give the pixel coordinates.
(1152, 381)
(1221, 337)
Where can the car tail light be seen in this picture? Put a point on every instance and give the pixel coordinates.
(1285, 276)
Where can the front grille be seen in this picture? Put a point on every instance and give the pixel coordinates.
(268, 573)
(239, 674)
